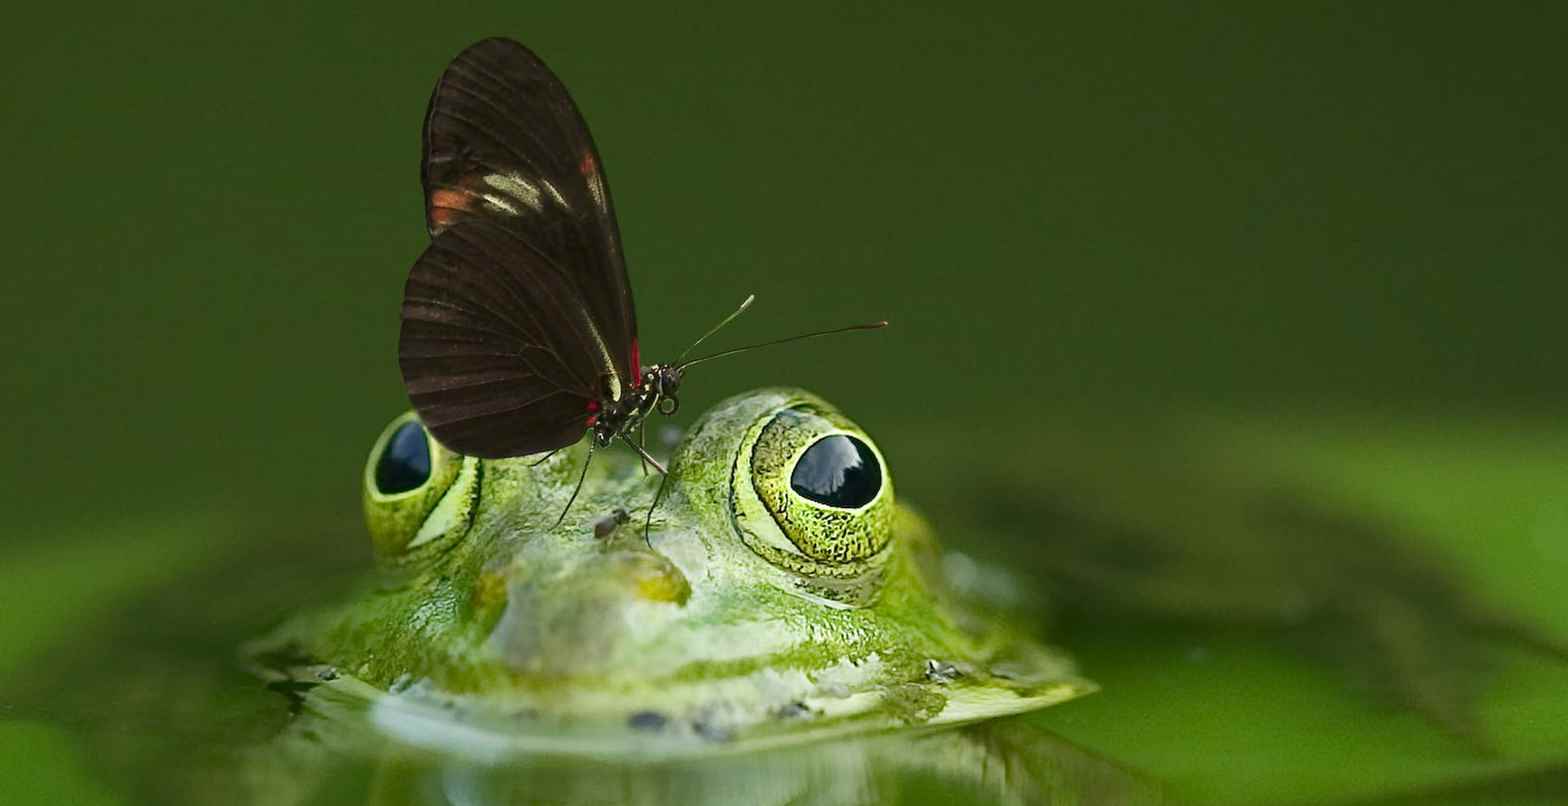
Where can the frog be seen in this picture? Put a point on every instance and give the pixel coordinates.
(768, 593)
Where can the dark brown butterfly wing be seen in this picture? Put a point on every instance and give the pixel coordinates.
(503, 142)
(497, 349)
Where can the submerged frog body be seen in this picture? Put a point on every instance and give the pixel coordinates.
(778, 594)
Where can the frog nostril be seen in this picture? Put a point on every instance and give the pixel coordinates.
(647, 720)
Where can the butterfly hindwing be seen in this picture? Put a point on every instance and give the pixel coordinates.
(497, 352)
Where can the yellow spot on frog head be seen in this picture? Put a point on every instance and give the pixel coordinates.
(489, 591)
(654, 578)
(671, 588)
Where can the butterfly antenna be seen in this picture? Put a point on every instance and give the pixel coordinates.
(868, 326)
(750, 298)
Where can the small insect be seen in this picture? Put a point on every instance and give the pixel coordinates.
(518, 331)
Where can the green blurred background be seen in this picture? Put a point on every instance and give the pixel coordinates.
(211, 212)
(1239, 210)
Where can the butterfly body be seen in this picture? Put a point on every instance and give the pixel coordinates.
(655, 391)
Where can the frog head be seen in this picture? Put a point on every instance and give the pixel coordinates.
(778, 590)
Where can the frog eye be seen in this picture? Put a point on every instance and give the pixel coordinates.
(418, 495)
(838, 471)
(404, 465)
(824, 486)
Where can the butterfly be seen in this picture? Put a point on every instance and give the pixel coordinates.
(519, 335)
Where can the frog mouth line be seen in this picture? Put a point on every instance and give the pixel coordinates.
(650, 736)
(696, 719)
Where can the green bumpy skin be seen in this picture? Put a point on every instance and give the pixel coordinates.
(824, 533)
(749, 615)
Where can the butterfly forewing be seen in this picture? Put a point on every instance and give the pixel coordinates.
(517, 320)
(504, 142)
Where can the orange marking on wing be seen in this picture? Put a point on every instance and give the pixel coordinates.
(451, 199)
(588, 166)
(447, 205)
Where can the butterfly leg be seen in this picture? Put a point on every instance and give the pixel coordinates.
(647, 523)
(579, 487)
(642, 442)
(643, 452)
(546, 458)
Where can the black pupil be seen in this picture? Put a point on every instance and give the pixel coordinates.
(839, 471)
(405, 464)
